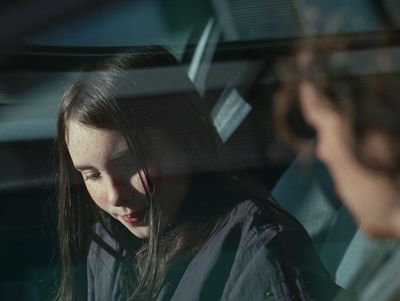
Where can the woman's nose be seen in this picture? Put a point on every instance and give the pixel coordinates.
(118, 191)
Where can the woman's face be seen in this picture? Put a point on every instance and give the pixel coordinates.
(371, 196)
(114, 182)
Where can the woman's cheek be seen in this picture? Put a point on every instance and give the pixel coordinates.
(136, 182)
(94, 193)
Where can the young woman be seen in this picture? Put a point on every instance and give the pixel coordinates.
(147, 209)
(351, 99)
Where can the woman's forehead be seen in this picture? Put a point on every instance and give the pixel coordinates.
(81, 134)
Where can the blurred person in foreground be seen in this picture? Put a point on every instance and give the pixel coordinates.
(351, 99)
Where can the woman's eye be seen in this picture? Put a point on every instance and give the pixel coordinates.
(92, 176)
(128, 166)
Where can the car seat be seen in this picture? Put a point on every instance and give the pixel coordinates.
(306, 191)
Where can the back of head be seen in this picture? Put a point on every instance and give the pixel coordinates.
(362, 84)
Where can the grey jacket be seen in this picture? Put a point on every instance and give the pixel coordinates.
(261, 253)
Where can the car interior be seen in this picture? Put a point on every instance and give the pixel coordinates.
(229, 50)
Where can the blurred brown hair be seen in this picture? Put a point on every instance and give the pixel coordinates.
(362, 83)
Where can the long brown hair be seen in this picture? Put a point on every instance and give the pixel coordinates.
(362, 84)
(102, 97)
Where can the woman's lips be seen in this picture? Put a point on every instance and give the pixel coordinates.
(133, 217)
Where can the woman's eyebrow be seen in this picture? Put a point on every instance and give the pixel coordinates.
(83, 167)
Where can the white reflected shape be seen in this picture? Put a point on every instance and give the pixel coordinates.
(202, 56)
(229, 112)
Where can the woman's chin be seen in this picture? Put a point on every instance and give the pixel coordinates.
(142, 231)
